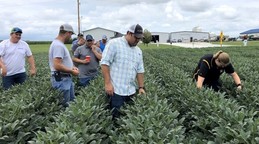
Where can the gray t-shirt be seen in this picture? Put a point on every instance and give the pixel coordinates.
(90, 69)
(58, 49)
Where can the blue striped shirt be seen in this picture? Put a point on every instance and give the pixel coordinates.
(125, 63)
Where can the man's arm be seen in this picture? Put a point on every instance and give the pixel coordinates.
(60, 67)
(4, 71)
(107, 80)
(236, 80)
(199, 82)
(77, 60)
(140, 79)
(32, 65)
(96, 53)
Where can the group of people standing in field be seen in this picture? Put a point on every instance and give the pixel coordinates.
(120, 59)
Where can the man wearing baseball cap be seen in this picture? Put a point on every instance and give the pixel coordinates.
(122, 63)
(61, 64)
(78, 42)
(101, 43)
(87, 57)
(12, 59)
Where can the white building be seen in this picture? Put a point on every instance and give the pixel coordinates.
(188, 36)
(161, 37)
(98, 32)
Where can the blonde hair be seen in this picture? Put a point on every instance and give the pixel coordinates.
(222, 57)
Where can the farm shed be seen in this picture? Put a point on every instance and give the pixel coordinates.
(252, 32)
(188, 36)
(161, 37)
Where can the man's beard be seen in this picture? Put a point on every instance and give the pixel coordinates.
(133, 45)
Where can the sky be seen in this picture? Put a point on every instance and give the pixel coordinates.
(40, 19)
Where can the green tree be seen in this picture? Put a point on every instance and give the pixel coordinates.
(147, 37)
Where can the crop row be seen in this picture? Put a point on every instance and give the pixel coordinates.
(172, 111)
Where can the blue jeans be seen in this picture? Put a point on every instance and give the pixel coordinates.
(66, 86)
(9, 81)
(85, 81)
(117, 101)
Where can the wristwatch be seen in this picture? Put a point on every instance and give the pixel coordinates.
(142, 88)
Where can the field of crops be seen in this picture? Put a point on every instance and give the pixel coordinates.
(172, 111)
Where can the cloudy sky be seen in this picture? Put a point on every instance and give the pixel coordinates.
(40, 19)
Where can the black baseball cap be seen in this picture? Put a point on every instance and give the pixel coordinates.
(137, 30)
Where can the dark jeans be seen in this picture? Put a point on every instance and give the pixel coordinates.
(85, 81)
(215, 85)
(9, 81)
(117, 101)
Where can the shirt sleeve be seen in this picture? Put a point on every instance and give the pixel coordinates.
(99, 50)
(28, 50)
(76, 53)
(58, 52)
(108, 54)
(2, 47)
(204, 68)
(74, 45)
(140, 68)
(229, 69)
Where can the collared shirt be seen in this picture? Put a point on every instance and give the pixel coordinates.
(90, 69)
(125, 63)
(209, 70)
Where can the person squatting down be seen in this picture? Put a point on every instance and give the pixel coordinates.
(209, 69)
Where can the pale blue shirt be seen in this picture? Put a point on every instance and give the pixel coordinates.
(125, 63)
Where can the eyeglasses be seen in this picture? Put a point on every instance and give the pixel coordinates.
(89, 40)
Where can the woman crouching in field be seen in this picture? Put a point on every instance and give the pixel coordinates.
(209, 69)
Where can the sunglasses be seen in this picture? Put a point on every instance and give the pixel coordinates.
(89, 40)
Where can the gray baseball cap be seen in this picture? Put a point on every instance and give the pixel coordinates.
(67, 27)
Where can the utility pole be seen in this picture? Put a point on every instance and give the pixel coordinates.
(78, 15)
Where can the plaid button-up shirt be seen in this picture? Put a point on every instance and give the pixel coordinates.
(125, 63)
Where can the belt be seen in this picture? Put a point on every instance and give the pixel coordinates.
(63, 75)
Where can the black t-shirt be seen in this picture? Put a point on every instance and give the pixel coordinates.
(208, 69)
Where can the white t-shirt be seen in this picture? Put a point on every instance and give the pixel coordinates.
(13, 56)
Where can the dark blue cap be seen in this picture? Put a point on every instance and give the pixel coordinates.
(16, 30)
(89, 37)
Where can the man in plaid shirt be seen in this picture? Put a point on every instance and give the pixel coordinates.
(122, 63)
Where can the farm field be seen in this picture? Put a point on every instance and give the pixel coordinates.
(172, 111)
